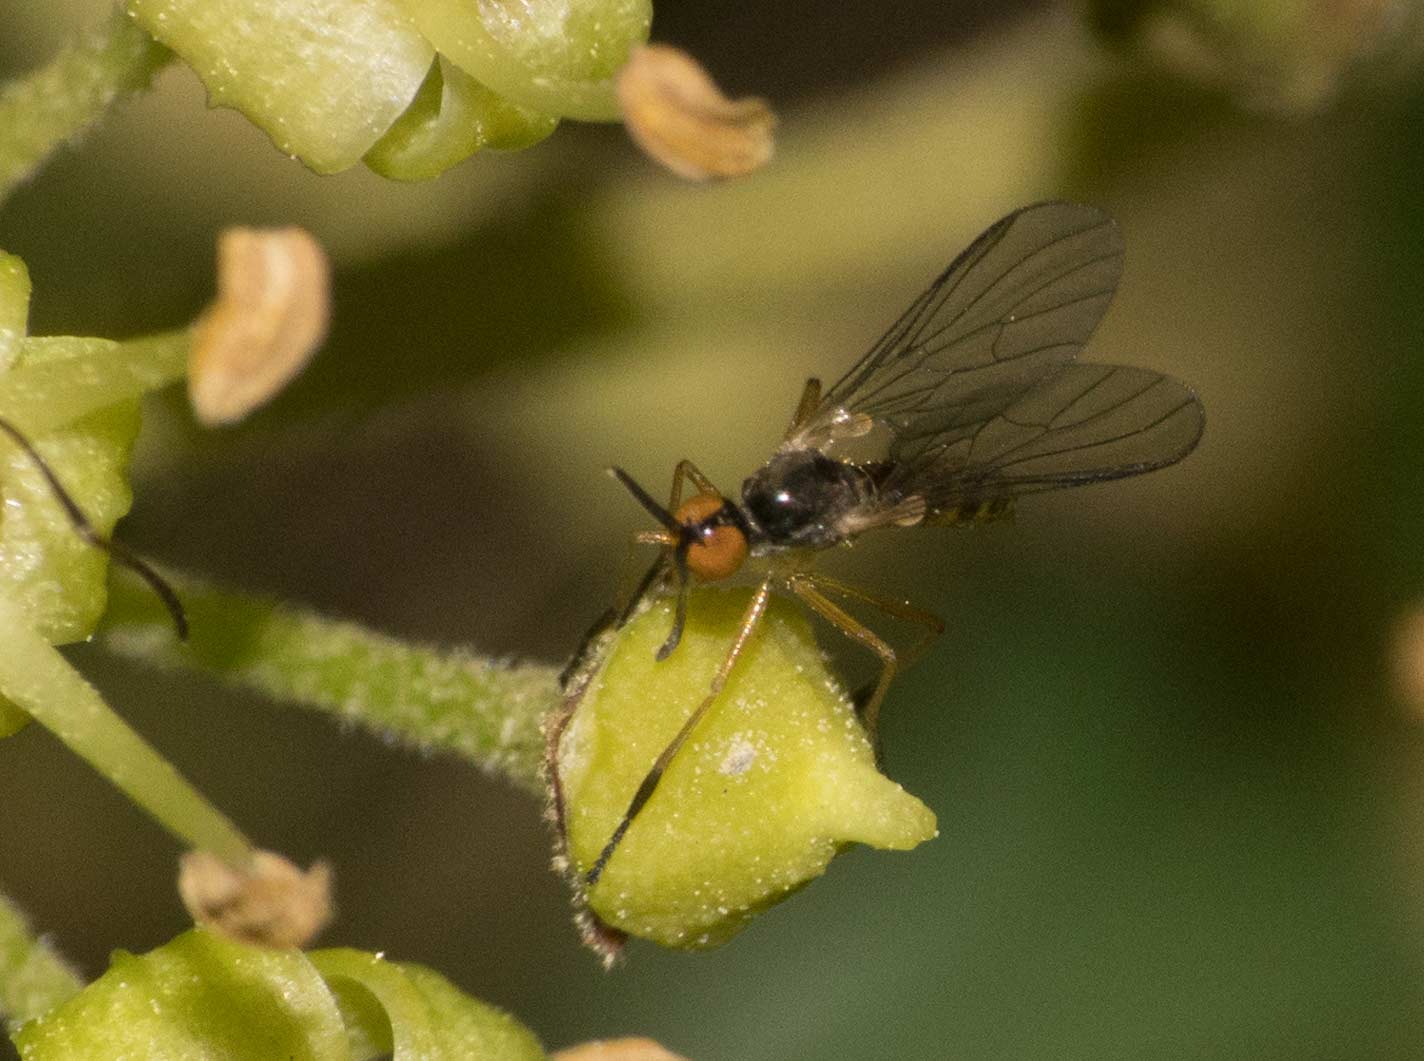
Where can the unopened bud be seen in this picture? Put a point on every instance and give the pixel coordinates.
(776, 778)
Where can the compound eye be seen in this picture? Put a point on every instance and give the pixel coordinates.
(718, 553)
(718, 548)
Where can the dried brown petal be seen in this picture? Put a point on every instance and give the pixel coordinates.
(271, 904)
(270, 315)
(618, 1050)
(678, 115)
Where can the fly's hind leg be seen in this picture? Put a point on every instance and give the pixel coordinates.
(810, 589)
(899, 609)
(804, 586)
(750, 618)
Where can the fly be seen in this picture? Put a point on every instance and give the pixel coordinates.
(971, 399)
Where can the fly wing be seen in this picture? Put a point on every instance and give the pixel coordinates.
(1009, 312)
(1088, 423)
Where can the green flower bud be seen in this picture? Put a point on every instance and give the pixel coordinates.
(452, 118)
(56, 577)
(323, 80)
(338, 81)
(555, 56)
(14, 315)
(774, 781)
(202, 995)
(408, 1011)
(14, 307)
(198, 996)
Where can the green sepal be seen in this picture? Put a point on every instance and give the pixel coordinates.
(76, 400)
(58, 579)
(14, 307)
(412, 1013)
(14, 313)
(324, 79)
(775, 780)
(451, 118)
(205, 996)
(557, 57)
(199, 996)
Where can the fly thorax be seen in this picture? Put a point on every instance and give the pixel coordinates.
(800, 498)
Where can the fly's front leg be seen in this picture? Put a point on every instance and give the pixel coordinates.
(804, 586)
(750, 618)
(686, 469)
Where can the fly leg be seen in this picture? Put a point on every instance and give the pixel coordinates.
(900, 609)
(808, 587)
(750, 618)
(804, 586)
(687, 470)
(611, 618)
(679, 546)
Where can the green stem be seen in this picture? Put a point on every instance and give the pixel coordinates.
(33, 977)
(485, 710)
(37, 679)
(56, 103)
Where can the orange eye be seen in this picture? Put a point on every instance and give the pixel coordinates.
(719, 551)
(697, 508)
(719, 554)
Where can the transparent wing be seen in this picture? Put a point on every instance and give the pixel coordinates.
(1088, 423)
(1010, 311)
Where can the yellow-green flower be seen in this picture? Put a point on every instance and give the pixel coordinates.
(775, 780)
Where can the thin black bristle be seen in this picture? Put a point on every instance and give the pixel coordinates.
(87, 531)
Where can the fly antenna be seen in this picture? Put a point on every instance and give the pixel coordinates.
(679, 559)
(643, 498)
(87, 531)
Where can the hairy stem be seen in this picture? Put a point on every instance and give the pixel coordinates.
(51, 106)
(488, 711)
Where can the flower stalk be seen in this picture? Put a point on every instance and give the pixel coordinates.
(37, 679)
(485, 710)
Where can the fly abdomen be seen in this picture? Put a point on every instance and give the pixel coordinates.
(969, 513)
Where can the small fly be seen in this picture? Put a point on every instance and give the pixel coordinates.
(971, 399)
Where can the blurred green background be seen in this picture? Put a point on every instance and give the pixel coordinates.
(1179, 784)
